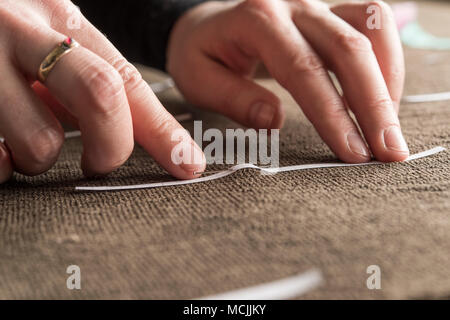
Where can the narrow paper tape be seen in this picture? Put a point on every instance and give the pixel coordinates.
(162, 86)
(287, 288)
(431, 97)
(238, 167)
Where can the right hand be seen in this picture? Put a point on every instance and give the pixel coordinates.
(215, 47)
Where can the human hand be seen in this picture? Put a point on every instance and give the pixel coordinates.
(215, 47)
(93, 87)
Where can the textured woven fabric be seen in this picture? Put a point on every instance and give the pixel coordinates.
(246, 229)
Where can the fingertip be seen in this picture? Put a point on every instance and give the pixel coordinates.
(191, 171)
(97, 165)
(358, 149)
(395, 147)
(351, 157)
(91, 170)
(263, 115)
(192, 167)
(392, 156)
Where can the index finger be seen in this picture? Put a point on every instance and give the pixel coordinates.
(153, 125)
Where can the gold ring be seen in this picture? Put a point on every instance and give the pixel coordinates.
(50, 61)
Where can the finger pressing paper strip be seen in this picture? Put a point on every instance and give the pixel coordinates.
(287, 288)
(224, 173)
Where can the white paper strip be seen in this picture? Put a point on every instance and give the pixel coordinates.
(440, 96)
(287, 288)
(72, 134)
(251, 166)
(162, 86)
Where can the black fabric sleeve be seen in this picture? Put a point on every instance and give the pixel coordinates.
(140, 29)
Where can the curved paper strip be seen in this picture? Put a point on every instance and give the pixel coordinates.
(162, 86)
(287, 288)
(251, 166)
(430, 97)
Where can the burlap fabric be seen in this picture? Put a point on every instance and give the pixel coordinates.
(195, 240)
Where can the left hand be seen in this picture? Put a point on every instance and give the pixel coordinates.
(215, 47)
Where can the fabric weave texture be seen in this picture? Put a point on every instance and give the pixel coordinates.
(246, 229)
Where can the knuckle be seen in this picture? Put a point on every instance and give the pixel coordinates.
(380, 105)
(59, 12)
(259, 9)
(382, 7)
(301, 65)
(262, 5)
(306, 4)
(336, 115)
(105, 87)
(131, 77)
(308, 63)
(42, 150)
(164, 127)
(309, 7)
(353, 42)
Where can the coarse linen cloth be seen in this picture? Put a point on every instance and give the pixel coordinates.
(195, 240)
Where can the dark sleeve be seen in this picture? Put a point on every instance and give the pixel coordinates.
(140, 29)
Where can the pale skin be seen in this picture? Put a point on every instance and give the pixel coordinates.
(213, 51)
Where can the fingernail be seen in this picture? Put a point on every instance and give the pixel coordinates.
(357, 145)
(261, 115)
(194, 160)
(393, 140)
